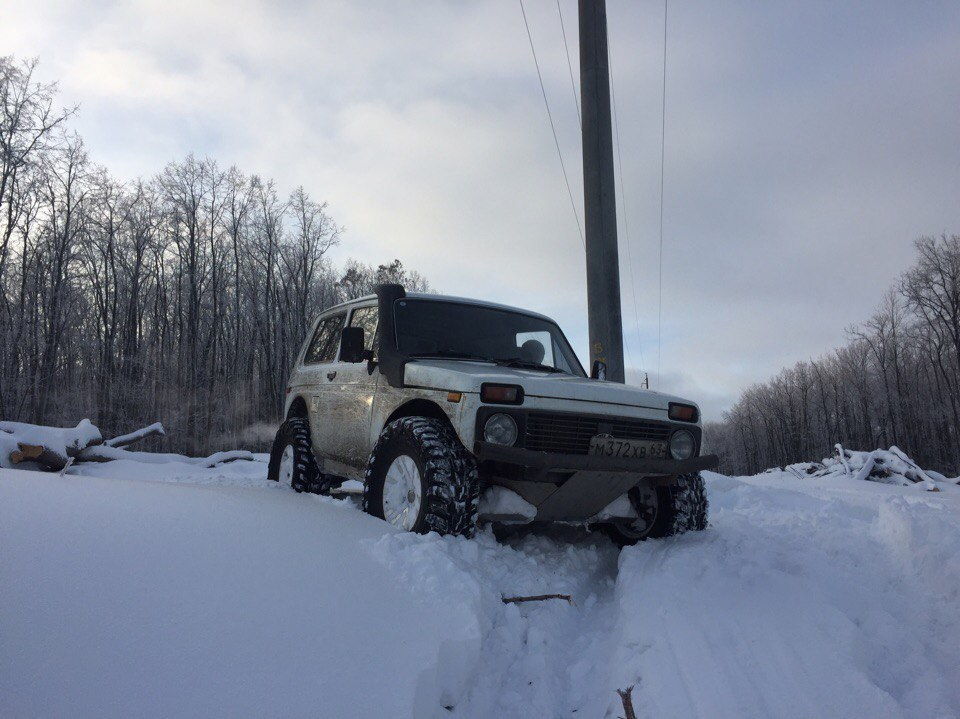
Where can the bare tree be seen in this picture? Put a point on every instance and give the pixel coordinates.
(183, 297)
(896, 382)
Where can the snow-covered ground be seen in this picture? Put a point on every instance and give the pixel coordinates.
(213, 592)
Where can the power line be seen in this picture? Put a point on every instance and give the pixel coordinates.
(663, 144)
(573, 85)
(623, 201)
(553, 128)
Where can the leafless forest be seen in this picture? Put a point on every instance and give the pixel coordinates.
(179, 298)
(183, 298)
(896, 382)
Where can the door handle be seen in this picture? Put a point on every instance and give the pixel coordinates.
(331, 375)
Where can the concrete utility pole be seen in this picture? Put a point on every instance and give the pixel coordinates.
(599, 197)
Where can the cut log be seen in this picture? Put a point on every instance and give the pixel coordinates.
(56, 443)
(44, 456)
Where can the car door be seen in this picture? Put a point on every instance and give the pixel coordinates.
(318, 372)
(351, 394)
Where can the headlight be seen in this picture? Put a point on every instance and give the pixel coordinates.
(500, 429)
(682, 445)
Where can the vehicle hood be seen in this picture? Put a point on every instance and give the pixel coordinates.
(465, 376)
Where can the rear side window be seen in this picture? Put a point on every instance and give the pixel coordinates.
(326, 340)
(366, 317)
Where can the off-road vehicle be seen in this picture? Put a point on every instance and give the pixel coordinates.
(444, 411)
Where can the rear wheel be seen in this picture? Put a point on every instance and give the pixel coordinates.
(421, 478)
(292, 462)
(664, 511)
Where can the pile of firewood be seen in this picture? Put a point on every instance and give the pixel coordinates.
(54, 449)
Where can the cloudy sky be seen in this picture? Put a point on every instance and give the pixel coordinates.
(807, 145)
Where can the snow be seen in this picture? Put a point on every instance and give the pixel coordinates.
(111, 453)
(506, 505)
(212, 591)
(351, 486)
(8, 444)
(123, 598)
(619, 508)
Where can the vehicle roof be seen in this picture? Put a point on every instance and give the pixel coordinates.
(442, 298)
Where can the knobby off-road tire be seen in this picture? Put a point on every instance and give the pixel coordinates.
(449, 485)
(681, 508)
(295, 435)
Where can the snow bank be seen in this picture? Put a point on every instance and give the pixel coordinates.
(235, 474)
(802, 599)
(109, 453)
(124, 598)
(831, 601)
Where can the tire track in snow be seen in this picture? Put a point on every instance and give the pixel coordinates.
(800, 600)
(533, 659)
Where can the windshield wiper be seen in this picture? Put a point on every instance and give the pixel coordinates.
(453, 354)
(521, 363)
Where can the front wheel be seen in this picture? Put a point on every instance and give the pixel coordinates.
(292, 462)
(664, 511)
(421, 478)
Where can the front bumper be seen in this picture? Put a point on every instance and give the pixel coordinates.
(542, 463)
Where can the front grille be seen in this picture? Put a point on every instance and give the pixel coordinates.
(570, 433)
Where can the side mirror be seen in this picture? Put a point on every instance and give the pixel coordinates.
(599, 370)
(351, 344)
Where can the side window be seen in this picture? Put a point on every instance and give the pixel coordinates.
(366, 317)
(326, 340)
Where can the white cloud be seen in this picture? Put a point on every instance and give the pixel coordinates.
(806, 145)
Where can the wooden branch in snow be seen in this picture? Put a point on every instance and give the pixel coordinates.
(124, 440)
(537, 598)
(106, 453)
(626, 698)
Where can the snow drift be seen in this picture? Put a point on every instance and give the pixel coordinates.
(212, 591)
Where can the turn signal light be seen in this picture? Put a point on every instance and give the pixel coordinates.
(683, 412)
(501, 393)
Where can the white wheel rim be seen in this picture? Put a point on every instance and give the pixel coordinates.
(402, 493)
(647, 511)
(286, 467)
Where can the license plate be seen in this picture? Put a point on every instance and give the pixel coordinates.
(603, 446)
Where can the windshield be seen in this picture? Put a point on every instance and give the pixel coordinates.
(432, 328)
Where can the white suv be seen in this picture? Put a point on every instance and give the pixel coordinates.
(444, 411)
